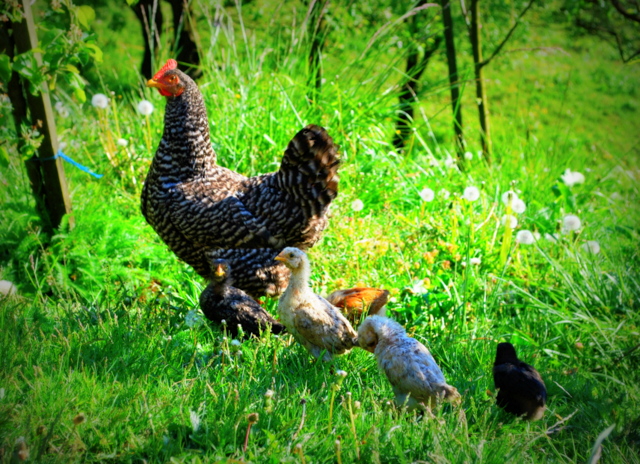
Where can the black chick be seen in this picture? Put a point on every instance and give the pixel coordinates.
(521, 390)
(220, 301)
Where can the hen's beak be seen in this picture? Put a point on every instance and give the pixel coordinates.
(154, 83)
(280, 258)
(219, 271)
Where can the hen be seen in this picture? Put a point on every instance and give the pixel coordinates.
(360, 301)
(314, 322)
(203, 211)
(220, 301)
(406, 362)
(521, 390)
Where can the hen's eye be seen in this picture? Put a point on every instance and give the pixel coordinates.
(290, 255)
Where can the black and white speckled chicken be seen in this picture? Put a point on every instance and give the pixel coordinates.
(221, 301)
(203, 211)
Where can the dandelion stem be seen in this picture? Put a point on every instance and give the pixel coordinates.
(246, 438)
(353, 427)
(333, 397)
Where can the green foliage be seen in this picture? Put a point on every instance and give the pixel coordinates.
(105, 357)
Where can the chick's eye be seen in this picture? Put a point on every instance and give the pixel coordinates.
(290, 255)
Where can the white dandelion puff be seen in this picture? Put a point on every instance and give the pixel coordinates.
(571, 222)
(551, 237)
(525, 237)
(341, 373)
(591, 247)
(471, 194)
(509, 219)
(450, 162)
(145, 107)
(475, 261)
(427, 194)
(100, 100)
(444, 193)
(122, 142)
(193, 319)
(235, 342)
(508, 197)
(269, 394)
(357, 205)
(518, 206)
(468, 156)
(570, 178)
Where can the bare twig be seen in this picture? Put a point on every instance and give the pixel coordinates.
(623, 11)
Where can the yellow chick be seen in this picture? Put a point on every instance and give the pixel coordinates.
(314, 322)
(407, 363)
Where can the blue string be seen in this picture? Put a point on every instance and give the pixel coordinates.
(60, 154)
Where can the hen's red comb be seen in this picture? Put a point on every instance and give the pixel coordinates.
(170, 64)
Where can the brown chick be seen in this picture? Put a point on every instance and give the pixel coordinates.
(314, 322)
(521, 390)
(220, 301)
(358, 302)
(410, 368)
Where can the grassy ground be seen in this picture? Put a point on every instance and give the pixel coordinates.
(102, 360)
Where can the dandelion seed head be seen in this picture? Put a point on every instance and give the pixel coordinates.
(571, 178)
(571, 222)
(145, 107)
(235, 342)
(508, 197)
(427, 194)
(269, 394)
(509, 219)
(475, 261)
(471, 194)
(253, 417)
(357, 205)
(122, 142)
(518, 206)
(468, 156)
(100, 100)
(341, 373)
(525, 237)
(552, 238)
(591, 247)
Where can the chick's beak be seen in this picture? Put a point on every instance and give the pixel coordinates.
(154, 83)
(280, 258)
(219, 271)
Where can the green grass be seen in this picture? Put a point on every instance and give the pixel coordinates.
(99, 364)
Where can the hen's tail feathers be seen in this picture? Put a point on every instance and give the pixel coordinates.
(309, 169)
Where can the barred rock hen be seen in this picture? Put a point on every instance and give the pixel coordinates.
(220, 301)
(406, 362)
(203, 211)
(521, 390)
(314, 322)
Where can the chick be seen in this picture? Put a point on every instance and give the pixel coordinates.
(220, 301)
(521, 390)
(407, 363)
(360, 301)
(313, 321)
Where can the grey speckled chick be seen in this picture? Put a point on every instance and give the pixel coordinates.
(314, 322)
(407, 363)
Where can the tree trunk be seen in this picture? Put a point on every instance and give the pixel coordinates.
(453, 79)
(481, 94)
(410, 90)
(317, 32)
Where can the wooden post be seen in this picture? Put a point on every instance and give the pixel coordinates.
(46, 172)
